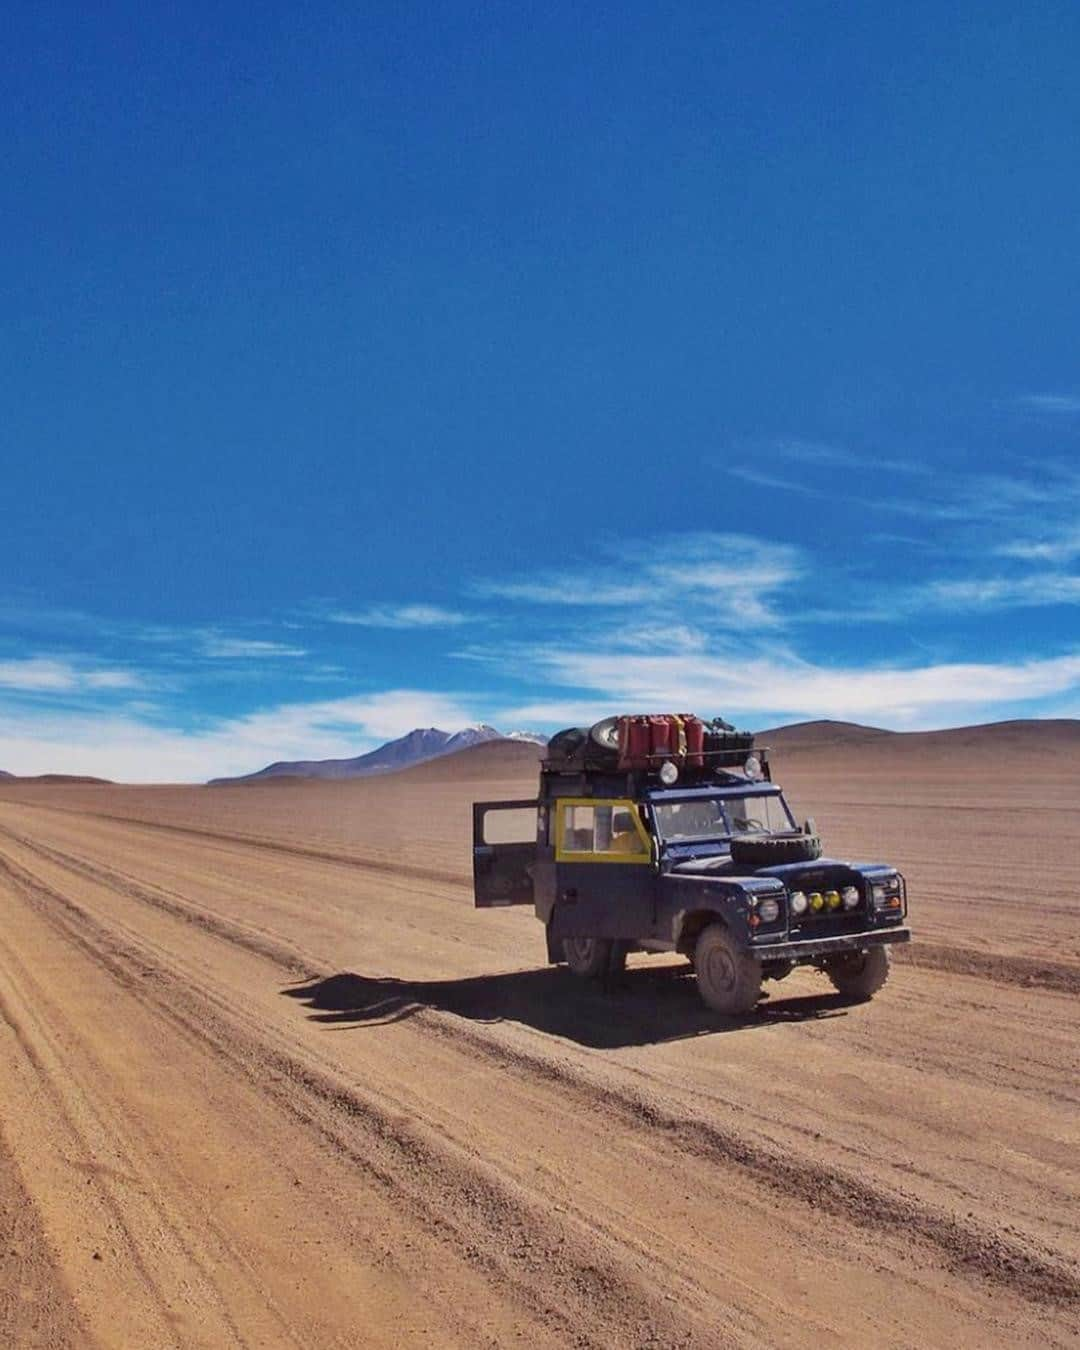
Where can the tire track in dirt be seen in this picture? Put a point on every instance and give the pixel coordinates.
(35, 1307)
(442, 876)
(88, 1132)
(1026, 971)
(966, 1249)
(460, 1201)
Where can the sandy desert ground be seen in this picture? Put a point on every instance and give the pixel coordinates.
(267, 1079)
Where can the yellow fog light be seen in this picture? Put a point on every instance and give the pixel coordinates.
(817, 901)
(832, 899)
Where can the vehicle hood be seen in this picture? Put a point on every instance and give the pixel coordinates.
(818, 874)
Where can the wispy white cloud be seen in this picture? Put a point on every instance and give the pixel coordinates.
(815, 452)
(401, 616)
(775, 480)
(1061, 546)
(729, 579)
(229, 648)
(1044, 588)
(45, 675)
(1051, 403)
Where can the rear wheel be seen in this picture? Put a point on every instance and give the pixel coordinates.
(590, 957)
(859, 975)
(729, 980)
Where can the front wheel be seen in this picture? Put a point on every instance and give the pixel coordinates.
(859, 975)
(590, 957)
(729, 979)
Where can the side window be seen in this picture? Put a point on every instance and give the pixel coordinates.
(579, 829)
(515, 826)
(606, 828)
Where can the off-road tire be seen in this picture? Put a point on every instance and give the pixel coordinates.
(859, 975)
(602, 745)
(605, 735)
(729, 980)
(566, 744)
(593, 958)
(766, 852)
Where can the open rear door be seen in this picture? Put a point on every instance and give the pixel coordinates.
(504, 850)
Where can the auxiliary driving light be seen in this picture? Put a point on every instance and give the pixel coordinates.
(797, 902)
(851, 896)
(832, 899)
(753, 767)
(817, 901)
(669, 774)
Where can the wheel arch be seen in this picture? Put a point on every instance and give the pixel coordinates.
(690, 924)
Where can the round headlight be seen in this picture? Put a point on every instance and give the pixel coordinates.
(797, 902)
(851, 896)
(769, 910)
(669, 774)
(817, 901)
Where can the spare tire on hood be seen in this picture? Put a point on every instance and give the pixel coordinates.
(765, 851)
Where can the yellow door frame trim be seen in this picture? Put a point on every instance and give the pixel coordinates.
(579, 856)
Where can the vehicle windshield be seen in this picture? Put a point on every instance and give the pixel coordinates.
(720, 817)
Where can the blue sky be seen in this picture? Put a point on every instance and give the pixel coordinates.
(434, 363)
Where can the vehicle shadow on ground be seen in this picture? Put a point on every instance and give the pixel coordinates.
(645, 1007)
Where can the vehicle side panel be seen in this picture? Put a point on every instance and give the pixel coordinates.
(682, 896)
(615, 902)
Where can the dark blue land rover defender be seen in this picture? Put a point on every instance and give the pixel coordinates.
(693, 854)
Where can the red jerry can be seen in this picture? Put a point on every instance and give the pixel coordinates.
(633, 742)
(662, 739)
(694, 729)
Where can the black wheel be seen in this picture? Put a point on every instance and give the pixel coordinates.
(590, 958)
(762, 852)
(859, 975)
(566, 744)
(729, 980)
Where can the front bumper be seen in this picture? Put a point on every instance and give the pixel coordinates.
(847, 942)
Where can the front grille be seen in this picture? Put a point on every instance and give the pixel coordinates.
(832, 924)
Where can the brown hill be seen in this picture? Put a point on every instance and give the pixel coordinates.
(1048, 735)
(54, 778)
(495, 759)
(811, 735)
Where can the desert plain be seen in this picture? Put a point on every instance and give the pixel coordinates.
(267, 1078)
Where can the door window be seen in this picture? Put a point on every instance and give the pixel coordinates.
(513, 826)
(592, 831)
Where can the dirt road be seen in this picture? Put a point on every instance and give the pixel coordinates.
(267, 1079)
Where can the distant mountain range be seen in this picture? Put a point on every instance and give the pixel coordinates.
(418, 746)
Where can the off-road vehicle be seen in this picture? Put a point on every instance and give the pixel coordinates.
(667, 834)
